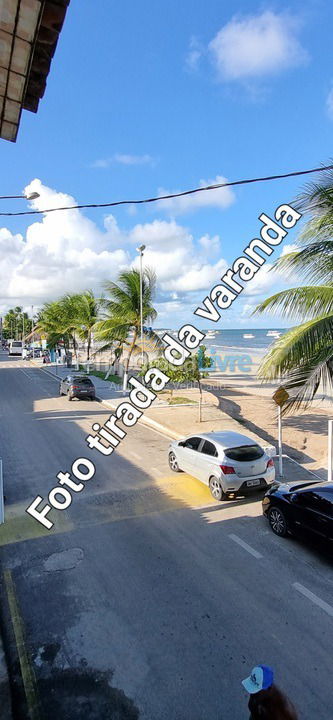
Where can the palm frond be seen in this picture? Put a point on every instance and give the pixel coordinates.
(299, 303)
(297, 347)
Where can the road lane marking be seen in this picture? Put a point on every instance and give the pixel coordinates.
(25, 373)
(28, 675)
(314, 598)
(244, 545)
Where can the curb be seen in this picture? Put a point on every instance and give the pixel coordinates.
(143, 420)
(147, 421)
(269, 449)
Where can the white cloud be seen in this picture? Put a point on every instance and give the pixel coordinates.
(289, 249)
(210, 243)
(161, 233)
(194, 54)
(123, 159)
(263, 281)
(67, 252)
(329, 104)
(134, 159)
(257, 45)
(62, 252)
(220, 198)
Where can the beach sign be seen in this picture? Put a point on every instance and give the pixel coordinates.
(280, 396)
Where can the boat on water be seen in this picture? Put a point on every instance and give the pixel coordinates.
(273, 333)
(248, 335)
(210, 335)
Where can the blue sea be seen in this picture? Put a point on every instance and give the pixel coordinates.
(253, 339)
(224, 340)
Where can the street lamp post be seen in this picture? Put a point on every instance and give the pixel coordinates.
(140, 249)
(31, 196)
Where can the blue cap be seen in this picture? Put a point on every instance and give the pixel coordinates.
(261, 678)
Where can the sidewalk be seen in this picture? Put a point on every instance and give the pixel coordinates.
(178, 421)
(175, 421)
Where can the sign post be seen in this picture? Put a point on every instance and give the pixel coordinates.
(280, 397)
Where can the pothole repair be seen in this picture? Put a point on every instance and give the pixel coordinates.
(65, 560)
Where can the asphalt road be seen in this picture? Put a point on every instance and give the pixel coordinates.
(147, 599)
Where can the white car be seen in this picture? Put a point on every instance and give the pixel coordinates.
(228, 462)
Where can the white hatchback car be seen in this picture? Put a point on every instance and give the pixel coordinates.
(228, 462)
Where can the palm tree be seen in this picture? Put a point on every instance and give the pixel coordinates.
(50, 323)
(121, 322)
(303, 358)
(87, 314)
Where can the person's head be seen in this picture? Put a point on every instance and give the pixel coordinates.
(276, 704)
(261, 678)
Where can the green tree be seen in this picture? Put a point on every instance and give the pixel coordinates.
(121, 319)
(16, 323)
(86, 312)
(302, 359)
(190, 371)
(50, 322)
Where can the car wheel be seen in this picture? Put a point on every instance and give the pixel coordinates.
(60, 391)
(277, 521)
(216, 489)
(173, 462)
(69, 397)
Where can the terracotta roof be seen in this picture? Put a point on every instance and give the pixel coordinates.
(29, 32)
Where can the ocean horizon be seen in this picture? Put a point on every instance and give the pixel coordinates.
(251, 339)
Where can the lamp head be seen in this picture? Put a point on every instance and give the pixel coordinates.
(141, 248)
(32, 196)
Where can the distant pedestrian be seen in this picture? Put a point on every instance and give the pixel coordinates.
(267, 701)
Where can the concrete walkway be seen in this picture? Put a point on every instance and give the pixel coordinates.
(177, 421)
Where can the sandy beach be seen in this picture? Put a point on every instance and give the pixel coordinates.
(247, 399)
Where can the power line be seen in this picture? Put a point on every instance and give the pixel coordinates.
(171, 195)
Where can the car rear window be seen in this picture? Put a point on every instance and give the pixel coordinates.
(82, 381)
(244, 453)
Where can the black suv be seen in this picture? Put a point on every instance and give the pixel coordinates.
(302, 507)
(79, 386)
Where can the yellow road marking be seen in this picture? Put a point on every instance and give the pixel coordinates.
(174, 492)
(20, 526)
(185, 488)
(28, 675)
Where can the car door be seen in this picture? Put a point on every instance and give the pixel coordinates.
(324, 513)
(189, 455)
(313, 512)
(206, 465)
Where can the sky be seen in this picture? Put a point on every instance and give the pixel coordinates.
(150, 97)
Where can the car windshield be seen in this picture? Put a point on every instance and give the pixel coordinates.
(244, 453)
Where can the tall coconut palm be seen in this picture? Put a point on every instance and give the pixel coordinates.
(303, 358)
(50, 323)
(122, 319)
(87, 312)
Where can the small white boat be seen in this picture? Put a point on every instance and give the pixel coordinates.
(210, 335)
(273, 333)
(248, 335)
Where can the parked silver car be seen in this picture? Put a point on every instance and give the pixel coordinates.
(228, 462)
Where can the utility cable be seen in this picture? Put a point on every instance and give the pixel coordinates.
(171, 195)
